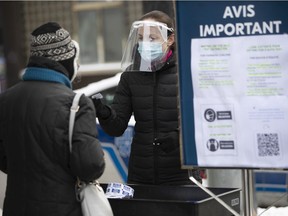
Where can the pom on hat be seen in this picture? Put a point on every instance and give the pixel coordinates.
(52, 41)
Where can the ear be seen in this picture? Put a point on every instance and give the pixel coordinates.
(171, 40)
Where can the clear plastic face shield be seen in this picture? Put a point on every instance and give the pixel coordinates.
(147, 47)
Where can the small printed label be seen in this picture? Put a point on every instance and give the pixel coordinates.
(224, 115)
(235, 202)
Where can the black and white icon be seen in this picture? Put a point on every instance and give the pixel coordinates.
(210, 115)
(213, 145)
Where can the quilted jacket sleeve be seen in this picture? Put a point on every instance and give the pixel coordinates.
(87, 158)
(121, 109)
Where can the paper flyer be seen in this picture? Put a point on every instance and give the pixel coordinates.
(240, 100)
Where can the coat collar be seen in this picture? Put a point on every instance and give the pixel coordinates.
(44, 74)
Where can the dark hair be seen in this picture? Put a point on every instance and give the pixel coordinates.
(159, 16)
(162, 17)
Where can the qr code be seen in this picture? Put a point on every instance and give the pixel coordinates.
(268, 144)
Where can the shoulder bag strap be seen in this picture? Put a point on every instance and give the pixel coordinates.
(74, 108)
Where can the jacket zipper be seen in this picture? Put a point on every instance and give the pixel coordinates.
(155, 142)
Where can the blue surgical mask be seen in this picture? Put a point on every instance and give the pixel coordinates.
(150, 51)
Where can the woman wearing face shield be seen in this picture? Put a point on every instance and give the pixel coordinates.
(148, 89)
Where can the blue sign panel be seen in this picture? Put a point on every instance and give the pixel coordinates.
(231, 57)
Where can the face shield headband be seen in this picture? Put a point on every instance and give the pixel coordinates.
(146, 46)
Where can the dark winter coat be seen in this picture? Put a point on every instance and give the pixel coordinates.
(34, 147)
(152, 98)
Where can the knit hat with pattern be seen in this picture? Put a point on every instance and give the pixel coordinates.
(52, 41)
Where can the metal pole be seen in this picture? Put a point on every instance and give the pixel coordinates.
(248, 193)
(245, 204)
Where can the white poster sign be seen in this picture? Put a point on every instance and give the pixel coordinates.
(240, 87)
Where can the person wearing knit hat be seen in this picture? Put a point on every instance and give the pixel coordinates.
(34, 124)
(52, 42)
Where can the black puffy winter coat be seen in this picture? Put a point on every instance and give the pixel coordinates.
(152, 98)
(34, 148)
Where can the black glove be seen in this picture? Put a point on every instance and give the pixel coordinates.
(102, 111)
